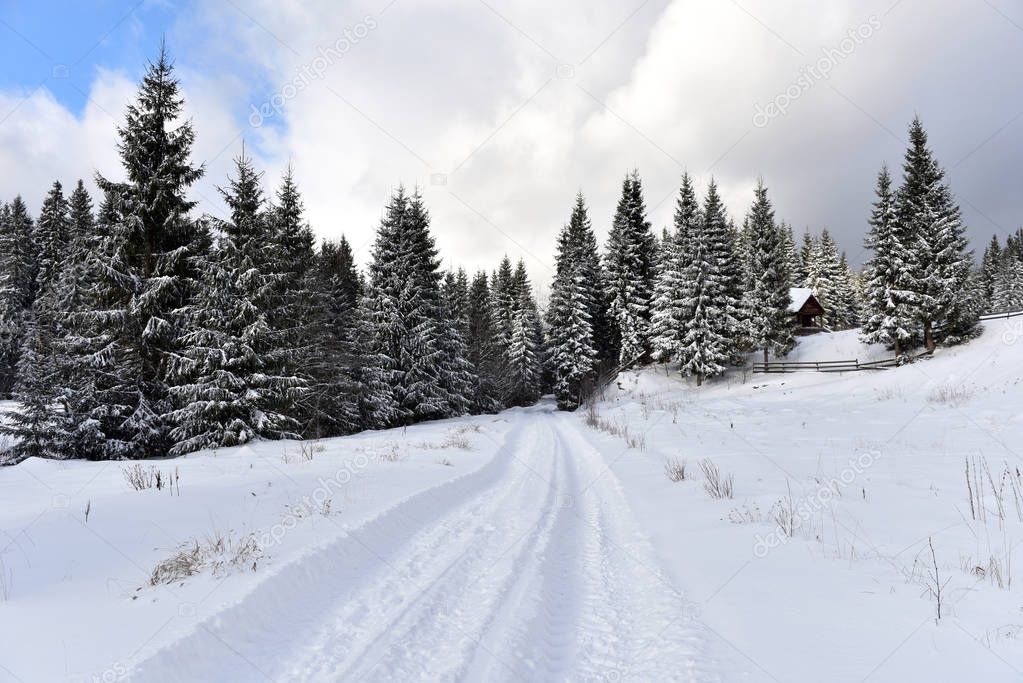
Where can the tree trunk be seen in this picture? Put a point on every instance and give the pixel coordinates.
(896, 347)
(928, 337)
(765, 356)
(699, 380)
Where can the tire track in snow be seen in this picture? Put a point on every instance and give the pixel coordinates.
(433, 633)
(606, 611)
(287, 609)
(653, 633)
(519, 571)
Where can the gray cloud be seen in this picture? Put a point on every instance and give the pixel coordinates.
(502, 111)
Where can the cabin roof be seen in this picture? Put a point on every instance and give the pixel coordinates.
(799, 296)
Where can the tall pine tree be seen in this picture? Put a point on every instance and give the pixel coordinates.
(573, 353)
(767, 304)
(672, 306)
(630, 266)
(150, 265)
(938, 272)
(482, 349)
(227, 378)
(403, 302)
(17, 286)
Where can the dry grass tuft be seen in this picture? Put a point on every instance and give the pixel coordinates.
(675, 469)
(716, 485)
(218, 553)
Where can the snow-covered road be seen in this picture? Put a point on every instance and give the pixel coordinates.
(530, 568)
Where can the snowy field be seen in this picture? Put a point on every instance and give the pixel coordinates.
(861, 469)
(80, 545)
(537, 545)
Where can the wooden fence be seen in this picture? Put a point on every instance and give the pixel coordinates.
(850, 365)
(1000, 316)
(823, 366)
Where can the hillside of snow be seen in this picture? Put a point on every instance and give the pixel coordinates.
(819, 566)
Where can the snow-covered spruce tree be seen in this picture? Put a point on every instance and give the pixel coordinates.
(37, 387)
(792, 259)
(290, 254)
(807, 261)
(79, 360)
(302, 317)
(829, 277)
(32, 423)
(455, 295)
(1007, 294)
(1014, 246)
(1008, 282)
(706, 346)
(372, 369)
(847, 294)
(573, 355)
(768, 300)
(457, 373)
(17, 286)
(587, 260)
(525, 353)
(503, 302)
(726, 251)
(525, 359)
(481, 348)
(51, 238)
(630, 268)
(991, 270)
(226, 375)
(672, 303)
(887, 319)
(403, 302)
(328, 351)
(100, 389)
(932, 227)
(150, 266)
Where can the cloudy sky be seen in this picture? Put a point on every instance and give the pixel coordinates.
(502, 111)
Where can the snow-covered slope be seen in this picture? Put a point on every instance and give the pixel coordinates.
(540, 545)
(871, 466)
(76, 601)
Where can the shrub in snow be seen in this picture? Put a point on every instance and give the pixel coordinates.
(745, 515)
(392, 454)
(456, 439)
(141, 478)
(951, 395)
(716, 485)
(675, 469)
(219, 554)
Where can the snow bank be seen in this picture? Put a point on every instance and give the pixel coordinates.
(871, 465)
(78, 544)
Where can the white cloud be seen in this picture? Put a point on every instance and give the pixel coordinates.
(42, 141)
(446, 87)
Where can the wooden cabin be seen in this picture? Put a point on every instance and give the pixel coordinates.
(806, 310)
